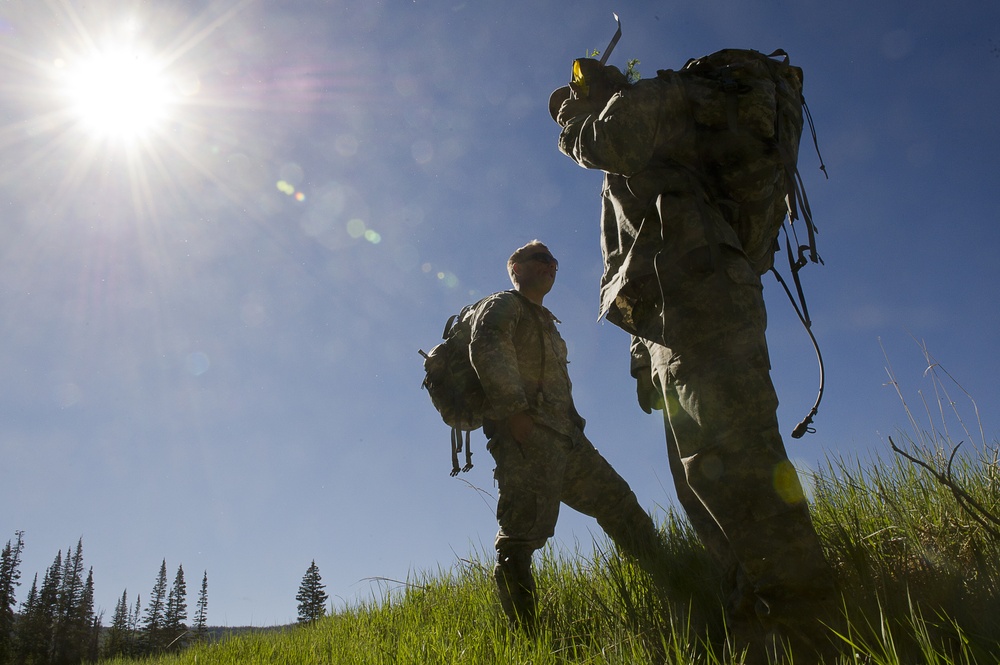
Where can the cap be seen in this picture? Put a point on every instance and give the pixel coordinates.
(556, 99)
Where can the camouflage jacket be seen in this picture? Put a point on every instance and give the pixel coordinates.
(640, 139)
(512, 338)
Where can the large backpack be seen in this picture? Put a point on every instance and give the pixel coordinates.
(747, 111)
(747, 114)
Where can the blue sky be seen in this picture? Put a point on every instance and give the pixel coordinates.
(210, 330)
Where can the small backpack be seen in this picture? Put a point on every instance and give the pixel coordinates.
(454, 386)
(747, 110)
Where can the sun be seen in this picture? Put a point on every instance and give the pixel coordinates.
(118, 93)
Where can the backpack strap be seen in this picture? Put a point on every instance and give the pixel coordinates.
(540, 387)
(456, 448)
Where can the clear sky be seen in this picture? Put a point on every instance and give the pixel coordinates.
(218, 263)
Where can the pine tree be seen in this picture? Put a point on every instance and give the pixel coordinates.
(75, 610)
(10, 576)
(153, 623)
(48, 610)
(93, 651)
(36, 625)
(201, 611)
(117, 641)
(26, 639)
(89, 624)
(132, 646)
(176, 612)
(311, 596)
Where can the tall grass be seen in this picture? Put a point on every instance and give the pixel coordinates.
(919, 574)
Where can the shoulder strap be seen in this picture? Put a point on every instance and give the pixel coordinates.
(539, 392)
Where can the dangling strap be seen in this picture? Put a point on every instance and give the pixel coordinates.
(456, 445)
(468, 451)
(804, 427)
(456, 448)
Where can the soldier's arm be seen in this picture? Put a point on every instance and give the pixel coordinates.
(621, 138)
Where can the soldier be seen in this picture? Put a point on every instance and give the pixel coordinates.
(536, 436)
(677, 279)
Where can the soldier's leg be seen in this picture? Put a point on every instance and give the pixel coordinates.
(741, 619)
(528, 478)
(704, 524)
(594, 488)
(722, 411)
(723, 418)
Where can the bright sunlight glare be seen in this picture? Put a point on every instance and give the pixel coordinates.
(119, 93)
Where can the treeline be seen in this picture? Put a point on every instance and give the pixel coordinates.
(56, 623)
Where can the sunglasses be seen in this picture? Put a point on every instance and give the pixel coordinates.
(543, 257)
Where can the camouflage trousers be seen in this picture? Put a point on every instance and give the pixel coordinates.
(537, 476)
(728, 462)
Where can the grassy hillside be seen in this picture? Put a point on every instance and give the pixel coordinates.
(915, 540)
(920, 576)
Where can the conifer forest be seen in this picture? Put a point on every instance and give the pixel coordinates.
(54, 621)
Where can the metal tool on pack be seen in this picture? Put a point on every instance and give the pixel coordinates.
(588, 71)
(614, 40)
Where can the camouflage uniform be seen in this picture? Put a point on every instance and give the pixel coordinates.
(516, 350)
(676, 278)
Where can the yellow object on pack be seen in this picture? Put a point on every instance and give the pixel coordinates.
(579, 83)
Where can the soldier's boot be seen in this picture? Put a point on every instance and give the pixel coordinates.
(797, 601)
(516, 588)
(745, 633)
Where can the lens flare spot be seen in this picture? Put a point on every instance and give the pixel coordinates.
(67, 395)
(786, 483)
(196, 363)
(356, 228)
(712, 467)
(292, 173)
(285, 188)
(423, 151)
(346, 145)
(373, 237)
(450, 279)
(252, 312)
(188, 86)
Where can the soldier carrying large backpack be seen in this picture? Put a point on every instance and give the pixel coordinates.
(698, 167)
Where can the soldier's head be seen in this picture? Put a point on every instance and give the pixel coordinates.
(532, 269)
(591, 81)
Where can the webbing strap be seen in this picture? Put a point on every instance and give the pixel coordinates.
(456, 448)
(540, 385)
(804, 427)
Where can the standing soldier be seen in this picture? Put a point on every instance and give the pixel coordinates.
(536, 436)
(679, 280)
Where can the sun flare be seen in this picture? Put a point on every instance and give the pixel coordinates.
(119, 93)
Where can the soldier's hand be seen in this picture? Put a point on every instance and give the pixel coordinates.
(649, 395)
(572, 108)
(521, 426)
